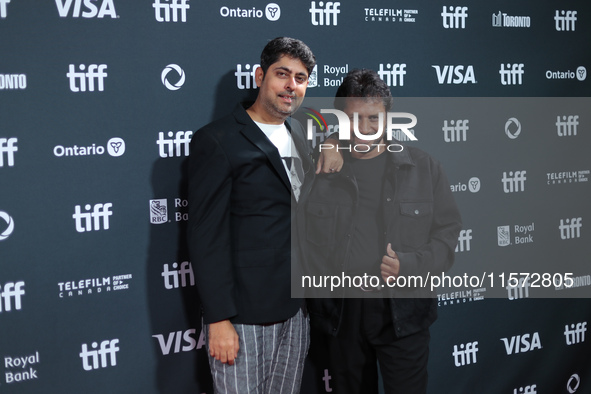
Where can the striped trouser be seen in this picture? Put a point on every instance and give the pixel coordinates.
(270, 359)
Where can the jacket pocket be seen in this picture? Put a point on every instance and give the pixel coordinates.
(416, 218)
(321, 223)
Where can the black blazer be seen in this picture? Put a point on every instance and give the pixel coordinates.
(240, 214)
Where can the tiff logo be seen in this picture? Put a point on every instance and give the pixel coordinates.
(567, 126)
(173, 8)
(91, 10)
(512, 75)
(245, 79)
(570, 228)
(393, 75)
(565, 20)
(455, 133)
(322, 16)
(576, 334)
(85, 221)
(8, 146)
(532, 389)
(90, 358)
(184, 272)
(520, 290)
(95, 71)
(454, 19)
(514, 183)
(3, 4)
(464, 241)
(466, 354)
(12, 292)
(171, 147)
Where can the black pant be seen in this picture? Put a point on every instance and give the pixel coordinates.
(367, 337)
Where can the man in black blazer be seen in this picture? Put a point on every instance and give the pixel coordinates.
(247, 172)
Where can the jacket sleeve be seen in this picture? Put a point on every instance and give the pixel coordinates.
(437, 255)
(209, 233)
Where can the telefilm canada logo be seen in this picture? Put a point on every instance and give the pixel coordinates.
(390, 120)
(567, 177)
(392, 15)
(95, 285)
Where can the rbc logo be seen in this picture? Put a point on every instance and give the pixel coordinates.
(158, 211)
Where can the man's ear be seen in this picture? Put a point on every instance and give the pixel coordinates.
(259, 75)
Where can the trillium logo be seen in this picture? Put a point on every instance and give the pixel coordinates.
(272, 12)
(166, 82)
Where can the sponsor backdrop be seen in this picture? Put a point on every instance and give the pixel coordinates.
(99, 100)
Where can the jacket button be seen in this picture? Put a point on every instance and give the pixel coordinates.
(416, 211)
(388, 199)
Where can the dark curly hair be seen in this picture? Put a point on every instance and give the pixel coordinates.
(291, 47)
(363, 83)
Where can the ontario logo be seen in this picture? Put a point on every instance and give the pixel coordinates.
(385, 125)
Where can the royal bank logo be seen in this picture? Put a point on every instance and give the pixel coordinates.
(171, 10)
(325, 14)
(159, 212)
(313, 78)
(454, 17)
(580, 74)
(13, 81)
(7, 149)
(89, 8)
(6, 225)
(501, 19)
(522, 234)
(333, 75)
(565, 20)
(174, 81)
(272, 12)
(21, 368)
(115, 147)
(512, 128)
(3, 4)
(392, 15)
(392, 74)
(513, 74)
